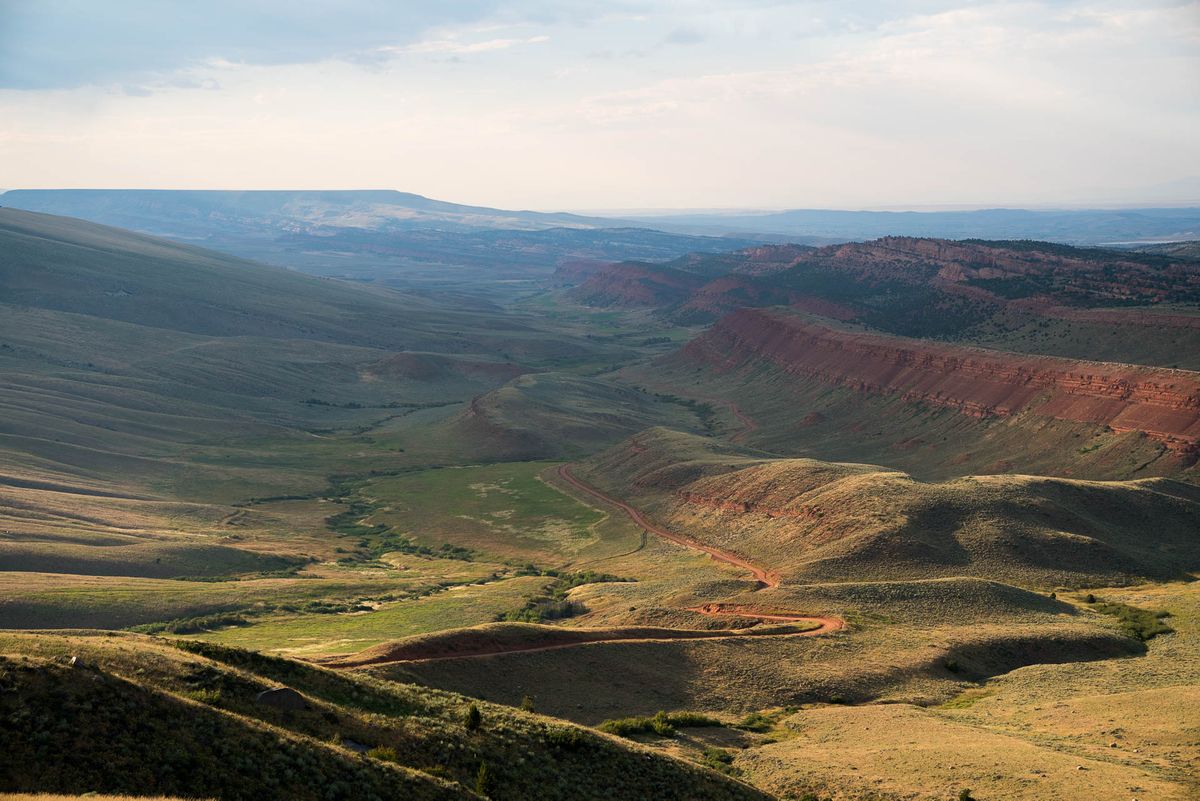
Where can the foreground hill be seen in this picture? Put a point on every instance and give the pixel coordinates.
(86, 712)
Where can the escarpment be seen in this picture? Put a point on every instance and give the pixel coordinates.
(1160, 403)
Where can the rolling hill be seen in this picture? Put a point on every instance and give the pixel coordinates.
(819, 521)
(386, 236)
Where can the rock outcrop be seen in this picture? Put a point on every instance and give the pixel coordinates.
(1163, 404)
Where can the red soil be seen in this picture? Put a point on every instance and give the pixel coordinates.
(765, 577)
(1161, 403)
(478, 643)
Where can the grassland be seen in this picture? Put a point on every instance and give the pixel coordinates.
(506, 511)
(317, 470)
(1106, 729)
(322, 635)
(121, 714)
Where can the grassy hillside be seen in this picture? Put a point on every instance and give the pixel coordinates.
(821, 521)
(1114, 728)
(128, 714)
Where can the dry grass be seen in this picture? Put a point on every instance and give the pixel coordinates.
(819, 521)
(138, 712)
(1117, 729)
(899, 751)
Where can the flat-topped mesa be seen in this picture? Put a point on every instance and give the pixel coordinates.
(1161, 403)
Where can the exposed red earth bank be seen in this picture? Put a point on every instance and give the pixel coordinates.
(1161, 403)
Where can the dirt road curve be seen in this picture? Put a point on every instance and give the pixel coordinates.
(824, 623)
(399, 652)
(748, 424)
(765, 577)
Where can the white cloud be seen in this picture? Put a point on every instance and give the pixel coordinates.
(777, 103)
(456, 47)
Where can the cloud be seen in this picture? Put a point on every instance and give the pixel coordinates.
(63, 44)
(684, 36)
(456, 47)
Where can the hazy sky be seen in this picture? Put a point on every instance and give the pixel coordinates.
(612, 104)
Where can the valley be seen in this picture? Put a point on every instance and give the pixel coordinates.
(817, 505)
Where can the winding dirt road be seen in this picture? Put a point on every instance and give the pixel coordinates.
(822, 624)
(748, 422)
(765, 577)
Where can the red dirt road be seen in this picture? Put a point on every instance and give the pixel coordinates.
(748, 423)
(765, 577)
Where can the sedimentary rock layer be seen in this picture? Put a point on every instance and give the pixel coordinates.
(1163, 404)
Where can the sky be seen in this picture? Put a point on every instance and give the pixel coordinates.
(618, 104)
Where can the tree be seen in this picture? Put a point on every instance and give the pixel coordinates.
(474, 718)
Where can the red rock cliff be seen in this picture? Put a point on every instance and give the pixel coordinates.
(1163, 404)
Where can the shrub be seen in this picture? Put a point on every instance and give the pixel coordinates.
(566, 737)
(527, 703)
(692, 720)
(1142, 624)
(662, 723)
(211, 697)
(484, 783)
(965, 795)
(474, 718)
(552, 604)
(720, 761)
(755, 721)
(384, 753)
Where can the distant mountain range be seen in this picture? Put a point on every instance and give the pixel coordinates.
(1070, 226)
(372, 235)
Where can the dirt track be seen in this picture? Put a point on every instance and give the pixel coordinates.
(748, 423)
(765, 577)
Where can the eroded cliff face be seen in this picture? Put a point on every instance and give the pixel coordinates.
(1163, 404)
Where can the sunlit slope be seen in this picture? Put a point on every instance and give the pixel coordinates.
(822, 521)
(148, 386)
(814, 387)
